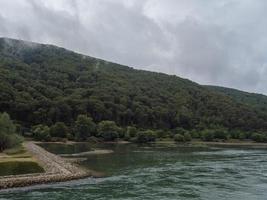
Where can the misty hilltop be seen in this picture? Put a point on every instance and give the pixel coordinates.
(44, 84)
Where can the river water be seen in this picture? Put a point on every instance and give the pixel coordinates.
(162, 172)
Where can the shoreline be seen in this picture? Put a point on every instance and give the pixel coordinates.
(57, 169)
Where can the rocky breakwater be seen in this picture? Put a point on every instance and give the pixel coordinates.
(56, 169)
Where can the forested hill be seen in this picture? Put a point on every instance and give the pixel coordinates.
(256, 100)
(44, 84)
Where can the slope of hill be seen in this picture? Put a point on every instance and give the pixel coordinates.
(258, 101)
(43, 84)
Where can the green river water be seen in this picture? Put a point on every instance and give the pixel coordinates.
(160, 172)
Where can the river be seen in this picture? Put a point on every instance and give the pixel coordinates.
(160, 172)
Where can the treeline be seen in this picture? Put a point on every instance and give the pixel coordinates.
(85, 129)
(43, 85)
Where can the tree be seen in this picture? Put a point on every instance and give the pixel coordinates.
(131, 131)
(8, 136)
(187, 137)
(108, 130)
(146, 136)
(257, 137)
(59, 129)
(41, 132)
(207, 135)
(178, 138)
(84, 127)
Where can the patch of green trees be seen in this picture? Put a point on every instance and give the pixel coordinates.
(8, 134)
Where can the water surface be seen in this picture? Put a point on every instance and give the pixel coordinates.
(161, 172)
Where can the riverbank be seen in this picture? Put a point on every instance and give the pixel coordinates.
(57, 169)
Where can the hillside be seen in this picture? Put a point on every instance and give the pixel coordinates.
(44, 84)
(258, 101)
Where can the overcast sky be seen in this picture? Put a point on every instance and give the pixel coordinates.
(219, 42)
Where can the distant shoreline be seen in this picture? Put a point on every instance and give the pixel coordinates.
(57, 169)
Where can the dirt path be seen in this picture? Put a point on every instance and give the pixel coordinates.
(56, 169)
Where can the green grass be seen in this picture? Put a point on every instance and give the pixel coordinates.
(15, 150)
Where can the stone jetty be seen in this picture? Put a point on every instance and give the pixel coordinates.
(57, 169)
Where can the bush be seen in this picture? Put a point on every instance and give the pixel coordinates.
(108, 130)
(207, 135)
(221, 134)
(195, 134)
(179, 130)
(257, 137)
(41, 132)
(8, 136)
(146, 136)
(178, 138)
(84, 127)
(161, 134)
(131, 131)
(59, 129)
(187, 137)
(241, 136)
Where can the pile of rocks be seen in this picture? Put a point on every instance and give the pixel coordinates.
(56, 169)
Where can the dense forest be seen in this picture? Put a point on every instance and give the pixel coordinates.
(47, 85)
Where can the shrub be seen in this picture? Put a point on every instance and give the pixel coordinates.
(146, 136)
(257, 137)
(179, 130)
(187, 137)
(108, 130)
(195, 134)
(41, 132)
(241, 136)
(207, 135)
(59, 129)
(221, 134)
(161, 134)
(178, 138)
(131, 131)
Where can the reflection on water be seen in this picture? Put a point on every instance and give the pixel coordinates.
(162, 172)
(59, 148)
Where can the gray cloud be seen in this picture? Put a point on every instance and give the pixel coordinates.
(211, 42)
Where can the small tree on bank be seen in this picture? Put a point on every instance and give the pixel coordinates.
(41, 132)
(84, 127)
(59, 129)
(108, 130)
(8, 136)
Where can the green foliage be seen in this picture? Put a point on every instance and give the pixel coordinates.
(221, 134)
(179, 130)
(47, 84)
(108, 130)
(131, 131)
(41, 132)
(84, 127)
(146, 136)
(195, 134)
(8, 136)
(178, 138)
(187, 137)
(161, 133)
(207, 135)
(59, 129)
(257, 137)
